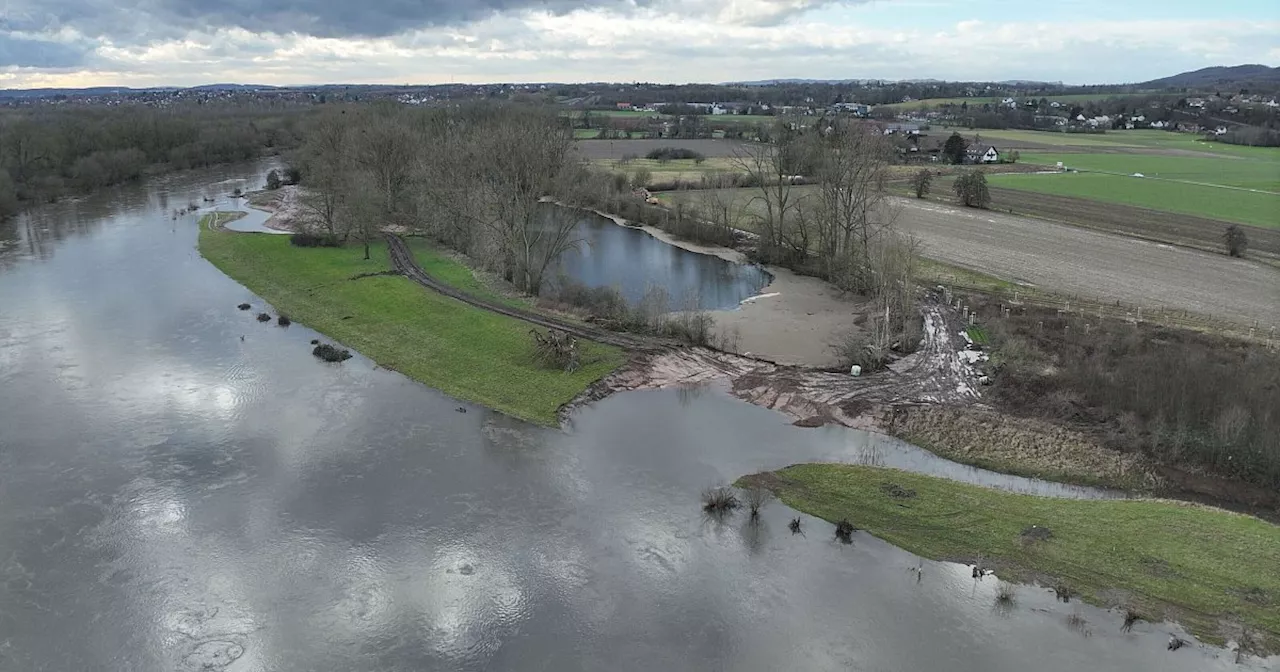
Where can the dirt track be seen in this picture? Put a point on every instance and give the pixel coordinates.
(1069, 260)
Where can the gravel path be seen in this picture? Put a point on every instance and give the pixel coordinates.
(1068, 260)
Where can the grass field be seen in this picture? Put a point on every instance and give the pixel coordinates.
(1232, 205)
(1243, 173)
(1189, 563)
(463, 351)
(1124, 140)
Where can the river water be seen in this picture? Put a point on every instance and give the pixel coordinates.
(183, 488)
(609, 255)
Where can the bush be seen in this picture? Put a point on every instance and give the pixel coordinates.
(284, 321)
(292, 175)
(1185, 398)
(330, 353)
(674, 153)
(719, 500)
(757, 497)
(652, 315)
(971, 189)
(314, 240)
(263, 317)
(844, 530)
(1236, 241)
(273, 180)
(921, 181)
(555, 349)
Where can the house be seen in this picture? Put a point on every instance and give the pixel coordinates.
(856, 109)
(978, 155)
(624, 106)
(1221, 130)
(1159, 124)
(905, 129)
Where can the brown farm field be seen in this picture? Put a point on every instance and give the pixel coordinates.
(1068, 260)
(1179, 229)
(595, 150)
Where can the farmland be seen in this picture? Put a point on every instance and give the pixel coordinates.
(1202, 200)
(1072, 260)
(1066, 98)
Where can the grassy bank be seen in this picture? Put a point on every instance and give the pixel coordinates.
(1184, 562)
(466, 352)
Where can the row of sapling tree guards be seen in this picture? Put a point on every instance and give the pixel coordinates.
(477, 179)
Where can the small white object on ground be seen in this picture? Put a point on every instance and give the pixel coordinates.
(855, 370)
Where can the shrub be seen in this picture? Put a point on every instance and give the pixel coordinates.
(844, 530)
(263, 317)
(1235, 240)
(719, 500)
(292, 175)
(273, 180)
(330, 353)
(1185, 398)
(244, 306)
(971, 189)
(757, 497)
(674, 153)
(283, 321)
(555, 349)
(921, 181)
(314, 240)
(1006, 593)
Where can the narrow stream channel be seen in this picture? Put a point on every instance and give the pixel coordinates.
(176, 497)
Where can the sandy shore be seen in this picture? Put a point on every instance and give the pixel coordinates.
(285, 206)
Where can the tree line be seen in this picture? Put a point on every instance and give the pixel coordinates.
(47, 152)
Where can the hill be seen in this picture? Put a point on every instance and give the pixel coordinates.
(1229, 77)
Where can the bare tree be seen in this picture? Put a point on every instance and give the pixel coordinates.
(773, 171)
(852, 172)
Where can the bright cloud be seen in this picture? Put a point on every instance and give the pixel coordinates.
(82, 42)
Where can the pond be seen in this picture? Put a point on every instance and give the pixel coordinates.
(610, 255)
(183, 488)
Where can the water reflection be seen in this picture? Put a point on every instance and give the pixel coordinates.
(173, 497)
(632, 261)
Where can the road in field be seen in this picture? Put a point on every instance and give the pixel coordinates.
(1070, 260)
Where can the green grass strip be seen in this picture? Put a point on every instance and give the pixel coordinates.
(464, 351)
(1189, 563)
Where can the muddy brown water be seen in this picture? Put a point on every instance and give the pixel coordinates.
(173, 497)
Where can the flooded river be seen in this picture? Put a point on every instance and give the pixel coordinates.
(183, 488)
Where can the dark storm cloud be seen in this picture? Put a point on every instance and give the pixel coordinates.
(133, 21)
(24, 52)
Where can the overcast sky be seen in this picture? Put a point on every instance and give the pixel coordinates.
(188, 42)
